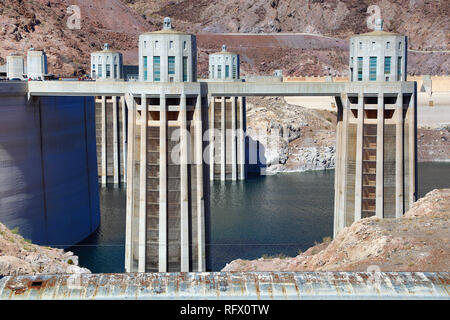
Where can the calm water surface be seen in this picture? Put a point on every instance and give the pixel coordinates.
(269, 215)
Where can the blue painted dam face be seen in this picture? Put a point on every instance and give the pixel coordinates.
(263, 216)
(48, 169)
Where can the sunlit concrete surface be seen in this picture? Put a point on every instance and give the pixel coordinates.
(226, 286)
(437, 115)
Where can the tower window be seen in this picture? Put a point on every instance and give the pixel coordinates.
(219, 72)
(212, 70)
(145, 44)
(171, 45)
(156, 69)
(171, 60)
(388, 45)
(156, 44)
(184, 45)
(373, 69)
(399, 46)
(387, 65)
(399, 69)
(360, 45)
(227, 71)
(234, 71)
(373, 45)
(100, 70)
(185, 69)
(360, 68)
(145, 68)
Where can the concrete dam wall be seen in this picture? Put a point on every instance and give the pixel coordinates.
(48, 167)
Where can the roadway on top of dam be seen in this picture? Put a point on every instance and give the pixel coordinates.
(213, 88)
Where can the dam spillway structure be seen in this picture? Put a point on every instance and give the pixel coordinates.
(111, 119)
(227, 118)
(167, 217)
(376, 132)
(167, 175)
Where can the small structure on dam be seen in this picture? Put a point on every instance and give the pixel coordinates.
(227, 119)
(376, 133)
(15, 67)
(111, 123)
(36, 64)
(166, 210)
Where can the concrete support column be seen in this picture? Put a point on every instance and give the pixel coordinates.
(233, 139)
(184, 194)
(341, 206)
(338, 216)
(130, 183)
(399, 158)
(223, 159)
(412, 150)
(380, 158)
(116, 154)
(241, 102)
(162, 261)
(212, 105)
(359, 158)
(200, 197)
(104, 172)
(143, 185)
(124, 137)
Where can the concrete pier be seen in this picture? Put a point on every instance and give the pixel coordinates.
(374, 147)
(166, 224)
(111, 127)
(227, 136)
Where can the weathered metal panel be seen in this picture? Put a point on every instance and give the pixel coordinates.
(249, 285)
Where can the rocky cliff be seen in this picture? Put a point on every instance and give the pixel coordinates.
(321, 49)
(292, 138)
(418, 241)
(19, 256)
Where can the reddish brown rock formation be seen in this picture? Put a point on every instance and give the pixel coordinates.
(42, 24)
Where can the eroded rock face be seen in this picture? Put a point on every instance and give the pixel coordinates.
(293, 138)
(418, 241)
(20, 257)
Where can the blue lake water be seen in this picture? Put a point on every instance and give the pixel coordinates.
(265, 215)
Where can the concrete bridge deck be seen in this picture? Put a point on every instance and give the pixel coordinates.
(119, 88)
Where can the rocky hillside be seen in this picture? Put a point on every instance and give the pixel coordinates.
(42, 24)
(292, 138)
(20, 257)
(419, 241)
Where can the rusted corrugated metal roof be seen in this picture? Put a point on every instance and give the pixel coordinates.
(222, 285)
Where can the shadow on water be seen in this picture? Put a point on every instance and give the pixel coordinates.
(265, 215)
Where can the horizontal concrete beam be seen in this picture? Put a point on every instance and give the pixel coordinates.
(119, 88)
(110, 88)
(223, 285)
(306, 88)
